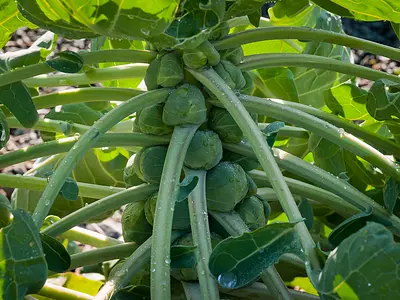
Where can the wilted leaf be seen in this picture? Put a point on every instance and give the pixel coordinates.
(23, 268)
(294, 13)
(183, 256)
(57, 257)
(365, 264)
(306, 211)
(382, 104)
(391, 192)
(66, 62)
(237, 261)
(4, 130)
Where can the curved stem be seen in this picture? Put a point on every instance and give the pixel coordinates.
(53, 291)
(77, 152)
(65, 144)
(323, 129)
(162, 226)
(235, 226)
(97, 208)
(304, 33)
(94, 75)
(269, 60)
(201, 235)
(218, 87)
(288, 131)
(90, 237)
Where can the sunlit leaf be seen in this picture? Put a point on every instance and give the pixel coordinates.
(296, 146)
(240, 8)
(57, 257)
(294, 13)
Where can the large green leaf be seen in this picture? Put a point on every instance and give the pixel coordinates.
(23, 268)
(294, 13)
(238, 261)
(4, 130)
(312, 83)
(365, 265)
(240, 8)
(381, 103)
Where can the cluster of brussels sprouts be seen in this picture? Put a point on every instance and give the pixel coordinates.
(228, 186)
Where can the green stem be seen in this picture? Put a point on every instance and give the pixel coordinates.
(323, 129)
(201, 235)
(269, 60)
(97, 208)
(65, 144)
(86, 142)
(160, 253)
(51, 126)
(303, 33)
(288, 131)
(89, 237)
(235, 226)
(192, 290)
(95, 256)
(218, 87)
(124, 272)
(53, 291)
(39, 184)
(92, 76)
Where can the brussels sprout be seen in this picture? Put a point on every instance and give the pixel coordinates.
(222, 123)
(219, 32)
(234, 55)
(130, 176)
(181, 218)
(231, 74)
(249, 86)
(5, 213)
(150, 79)
(150, 120)
(135, 227)
(194, 58)
(212, 54)
(185, 105)
(98, 105)
(245, 162)
(149, 163)
(252, 186)
(170, 71)
(226, 186)
(204, 151)
(251, 210)
(191, 274)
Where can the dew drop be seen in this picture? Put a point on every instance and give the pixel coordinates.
(153, 270)
(227, 280)
(167, 261)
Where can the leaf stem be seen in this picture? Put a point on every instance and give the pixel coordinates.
(97, 208)
(201, 235)
(215, 83)
(269, 60)
(304, 33)
(89, 237)
(160, 253)
(77, 152)
(53, 291)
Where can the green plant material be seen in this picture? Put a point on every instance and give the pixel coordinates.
(271, 132)
(212, 54)
(26, 264)
(267, 207)
(234, 55)
(238, 261)
(396, 28)
(194, 58)
(372, 252)
(130, 176)
(307, 213)
(242, 8)
(391, 192)
(226, 186)
(251, 210)
(140, 278)
(69, 190)
(381, 103)
(5, 211)
(183, 257)
(99, 105)
(185, 105)
(245, 162)
(57, 257)
(4, 130)
(135, 227)
(251, 185)
(297, 146)
(249, 86)
(170, 70)
(294, 13)
(150, 120)
(221, 122)
(66, 62)
(149, 163)
(151, 76)
(205, 151)
(181, 219)
(231, 74)
(187, 185)
(132, 292)
(219, 32)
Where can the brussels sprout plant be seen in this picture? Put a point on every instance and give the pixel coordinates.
(247, 160)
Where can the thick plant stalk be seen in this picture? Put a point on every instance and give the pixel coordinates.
(97, 208)
(304, 33)
(90, 237)
(53, 291)
(83, 145)
(235, 226)
(169, 187)
(201, 235)
(215, 83)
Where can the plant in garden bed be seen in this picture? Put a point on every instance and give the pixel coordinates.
(252, 162)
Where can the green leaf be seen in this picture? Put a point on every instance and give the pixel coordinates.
(238, 261)
(66, 62)
(306, 211)
(139, 292)
(312, 83)
(5, 211)
(57, 257)
(396, 28)
(391, 192)
(333, 8)
(23, 268)
(296, 146)
(271, 131)
(240, 8)
(348, 101)
(365, 264)
(69, 190)
(183, 257)
(394, 128)
(186, 187)
(382, 104)
(294, 13)
(254, 18)
(4, 130)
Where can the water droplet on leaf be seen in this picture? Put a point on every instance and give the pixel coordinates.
(227, 280)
